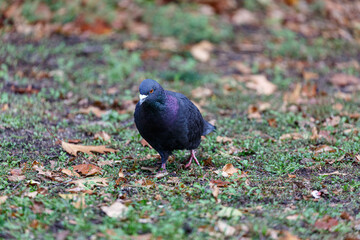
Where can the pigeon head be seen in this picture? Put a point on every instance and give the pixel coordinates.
(151, 91)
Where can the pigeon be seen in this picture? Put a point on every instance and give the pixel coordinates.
(169, 121)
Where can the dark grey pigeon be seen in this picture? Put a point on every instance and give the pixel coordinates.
(169, 121)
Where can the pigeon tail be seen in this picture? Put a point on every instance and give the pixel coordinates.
(208, 128)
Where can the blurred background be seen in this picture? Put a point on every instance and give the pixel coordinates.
(279, 79)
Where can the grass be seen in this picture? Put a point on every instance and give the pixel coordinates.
(269, 197)
(186, 209)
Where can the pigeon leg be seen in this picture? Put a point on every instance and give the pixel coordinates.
(192, 156)
(164, 157)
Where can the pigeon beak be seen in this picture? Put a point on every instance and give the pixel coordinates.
(142, 98)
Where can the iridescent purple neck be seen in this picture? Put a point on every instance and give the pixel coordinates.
(172, 107)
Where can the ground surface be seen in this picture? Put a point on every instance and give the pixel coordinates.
(284, 162)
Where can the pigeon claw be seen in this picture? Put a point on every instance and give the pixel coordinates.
(192, 156)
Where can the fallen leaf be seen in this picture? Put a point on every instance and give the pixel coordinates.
(291, 2)
(342, 80)
(42, 171)
(87, 169)
(102, 135)
(323, 148)
(226, 229)
(260, 84)
(5, 107)
(132, 44)
(332, 121)
(97, 181)
(106, 162)
(202, 50)
(144, 143)
(145, 183)
(244, 17)
(73, 149)
(3, 199)
(69, 172)
(326, 222)
(214, 191)
(229, 212)
(333, 173)
(286, 235)
(292, 136)
(310, 76)
(16, 175)
(221, 139)
(272, 122)
(201, 92)
(115, 210)
(293, 217)
(78, 199)
(24, 90)
(346, 216)
(253, 112)
(220, 183)
(92, 109)
(241, 67)
(229, 170)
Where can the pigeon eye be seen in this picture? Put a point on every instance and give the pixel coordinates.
(152, 90)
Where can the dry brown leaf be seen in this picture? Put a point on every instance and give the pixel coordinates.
(286, 235)
(92, 109)
(145, 183)
(144, 143)
(115, 210)
(291, 2)
(342, 80)
(326, 222)
(106, 162)
(3, 199)
(260, 84)
(324, 148)
(43, 12)
(215, 191)
(202, 50)
(97, 181)
(201, 92)
(221, 139)
(332, 121)
(102, 135)
(310, 76)
(333, 173)
(73, 149)
(5, 107)
(272, 122)
(132, 44)
(241, 67)
(244, 17)
(42, 171)
(69, 172)
(87, 169)
(16, 175)
(253, 112)
(229, 169)
(226, 229)
(292, 136)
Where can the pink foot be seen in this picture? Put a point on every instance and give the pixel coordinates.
(192, 156)
(163, 167)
